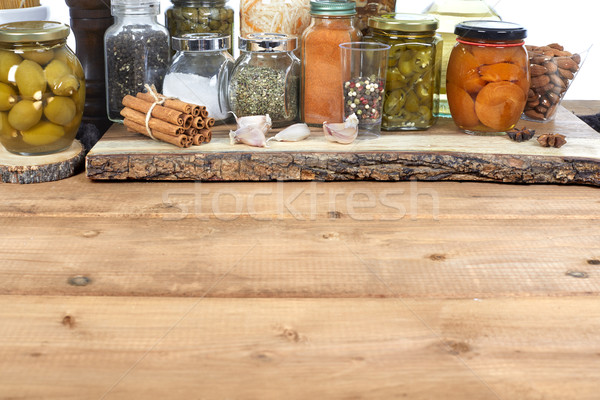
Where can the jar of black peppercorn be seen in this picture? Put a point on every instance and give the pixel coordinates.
(266, 78)
(199, 16)
(136, 52)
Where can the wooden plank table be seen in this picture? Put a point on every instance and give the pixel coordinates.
(329, 290)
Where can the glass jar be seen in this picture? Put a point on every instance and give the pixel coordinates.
(488, 76)
(266, 78)
(42, 88)
(199, 73)
(136, 52)
(291, 17)
(450, 13)
(412, 85)
(199, 16)
(366, 9)
(332, 23)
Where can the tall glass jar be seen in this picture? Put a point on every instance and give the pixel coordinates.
(366, 9)
(42, 88)
(199, 16)
(136, 52)
(291, 17)
(266, 77)
(449, 13)
(412, 84)
(332, 23)
(488, 76)
(200, 71)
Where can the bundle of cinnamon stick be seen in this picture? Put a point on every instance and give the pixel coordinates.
(173, 121)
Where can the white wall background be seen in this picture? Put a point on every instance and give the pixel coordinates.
(572, 23)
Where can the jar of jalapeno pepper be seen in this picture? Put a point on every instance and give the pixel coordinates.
(412, 86)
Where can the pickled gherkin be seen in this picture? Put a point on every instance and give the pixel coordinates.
(411, 100)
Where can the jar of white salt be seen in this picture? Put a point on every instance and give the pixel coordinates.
(199, 72)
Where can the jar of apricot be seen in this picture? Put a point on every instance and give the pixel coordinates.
(488, 76)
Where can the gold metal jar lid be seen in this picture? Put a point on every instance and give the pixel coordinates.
(404, 22)
(33, 31)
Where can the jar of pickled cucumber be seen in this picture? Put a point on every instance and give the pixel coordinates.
(487, 80)
(42, 88)
(199, 16)
(412, 86)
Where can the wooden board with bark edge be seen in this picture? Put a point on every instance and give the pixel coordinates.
(15, 168)
(441, 153)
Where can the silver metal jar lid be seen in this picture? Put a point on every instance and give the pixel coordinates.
(268, 42)
(201, 42)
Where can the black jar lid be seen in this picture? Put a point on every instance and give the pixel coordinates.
(492, 30)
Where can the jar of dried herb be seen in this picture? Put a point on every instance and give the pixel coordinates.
(265, 78)
(136, 52)
(199, 16)
(332, 23)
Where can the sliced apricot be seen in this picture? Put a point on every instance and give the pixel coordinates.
(462, 106)
(494, 55)
(501, 72)
(463, 70)
(499, 105)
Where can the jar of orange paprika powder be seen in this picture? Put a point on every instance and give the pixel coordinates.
(488, 77)
(332, 23)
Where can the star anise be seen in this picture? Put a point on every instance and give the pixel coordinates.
(552, 140)
(520, 135)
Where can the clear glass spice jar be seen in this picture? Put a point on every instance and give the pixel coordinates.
(42, 88)
(266, 78)
(136, 52)
(200, 71)
(200, 16)
(412, 86)
(332, 23)
(488, 76)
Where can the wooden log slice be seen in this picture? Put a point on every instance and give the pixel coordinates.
(15, 168)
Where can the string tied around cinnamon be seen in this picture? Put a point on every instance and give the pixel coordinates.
(159, 99)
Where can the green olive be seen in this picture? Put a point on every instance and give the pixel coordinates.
(43, 133)
(66, 85)
(41, 57)
(72, 127)
(25, 114)
(79, 98)
(8, 63)
(60, 110)
(30, 79)
(8, 97)
(6, 130)
(71, 61)
(60, 78)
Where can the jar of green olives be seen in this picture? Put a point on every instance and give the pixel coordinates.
(412, 87)
(42, 88)
(199, 16)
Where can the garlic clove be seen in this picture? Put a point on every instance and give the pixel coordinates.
(250, 135)
(262, 121)
(342, 132)
(293, 133)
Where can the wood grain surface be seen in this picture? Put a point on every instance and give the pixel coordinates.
(16, 168)
(271, 290)
(440, 153)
